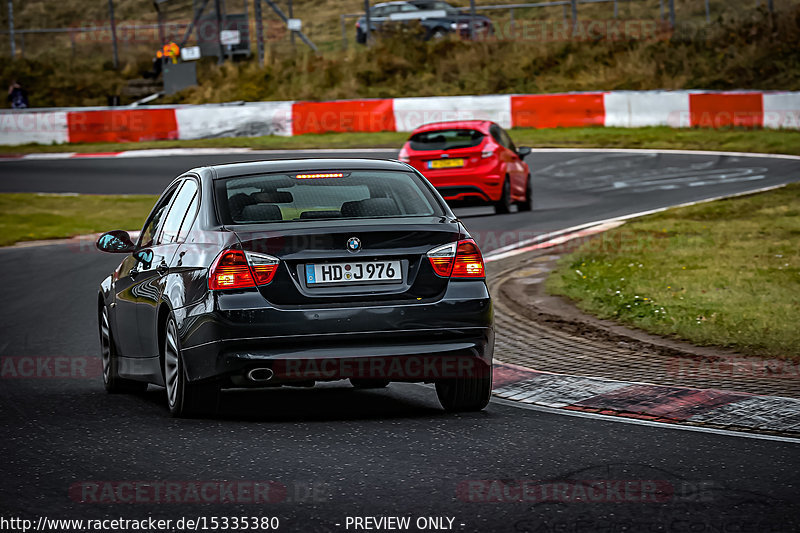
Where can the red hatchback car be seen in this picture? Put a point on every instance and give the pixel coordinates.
(471, 162)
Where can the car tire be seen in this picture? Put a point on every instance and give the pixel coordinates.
(503, 205)
(438, 34)
(184, 399)
(527, 203)
(361, 37)
(111, 380)
(369, 383)
(465, 394)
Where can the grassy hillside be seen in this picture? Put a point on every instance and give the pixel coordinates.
(746, 49)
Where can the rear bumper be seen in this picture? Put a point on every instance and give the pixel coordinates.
(478, 184)
(451, 337)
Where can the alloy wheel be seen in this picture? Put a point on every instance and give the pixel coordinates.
(171, 364)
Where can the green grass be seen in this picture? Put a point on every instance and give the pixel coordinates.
(725, 273)
(29, 216)
(737, 140)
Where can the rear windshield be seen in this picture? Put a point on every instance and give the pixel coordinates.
(316, 195)
(446, 139)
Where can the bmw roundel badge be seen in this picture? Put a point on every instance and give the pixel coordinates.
(354, 244)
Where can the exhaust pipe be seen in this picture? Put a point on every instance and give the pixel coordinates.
(260, 375)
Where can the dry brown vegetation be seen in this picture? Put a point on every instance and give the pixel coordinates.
(750, 50)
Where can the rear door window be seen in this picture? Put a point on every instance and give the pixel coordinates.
(156, 219)
(177, 212)
(500, 135)
(445, 139)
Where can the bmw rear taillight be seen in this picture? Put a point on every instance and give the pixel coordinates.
(457, 260)
(263, 266)
(235, 269)
(441, 259)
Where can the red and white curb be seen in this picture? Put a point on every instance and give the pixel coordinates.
(647, 402)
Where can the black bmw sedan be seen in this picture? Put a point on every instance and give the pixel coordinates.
(286, 273)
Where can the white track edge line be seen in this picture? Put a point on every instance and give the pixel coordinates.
(667, 151)
(514, 249)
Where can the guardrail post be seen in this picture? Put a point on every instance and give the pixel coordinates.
(259, 31)
(368, 22)
(575, 16)
(672, 13)
(472, 33)
(218, 15)
(113, 33)
(708, 13)
(291, 16)
(616, 11)
(344, 31)
(11, 28)
(511, 22)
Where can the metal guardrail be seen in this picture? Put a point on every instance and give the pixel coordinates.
(72, 30)
(12, 32)
(670, 5)
(502, 7)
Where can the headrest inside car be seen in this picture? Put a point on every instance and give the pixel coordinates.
(273, 197)
(371, 207)
(320, 214)
(260, 213)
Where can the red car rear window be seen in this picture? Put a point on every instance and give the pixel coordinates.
(446, 139)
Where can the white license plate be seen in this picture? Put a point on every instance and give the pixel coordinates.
(388, 271)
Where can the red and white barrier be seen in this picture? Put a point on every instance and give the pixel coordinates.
(342, 116)
(410, 113)
(43, 127)
(627, 109)
(247, 120)
(633, 109)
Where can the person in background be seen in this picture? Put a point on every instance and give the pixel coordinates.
(17, 96)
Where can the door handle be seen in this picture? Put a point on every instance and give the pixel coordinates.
(162, 268)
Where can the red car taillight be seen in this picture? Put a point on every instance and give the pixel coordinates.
(235, 269)
(457, 260)
(469, 262)
(441, 259)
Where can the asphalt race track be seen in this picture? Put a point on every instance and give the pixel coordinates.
(333, 452)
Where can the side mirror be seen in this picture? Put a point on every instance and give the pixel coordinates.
(522, 151)
(115, 242)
